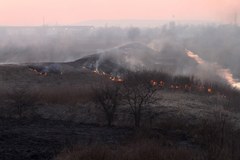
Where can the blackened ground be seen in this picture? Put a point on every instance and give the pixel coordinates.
(42, 139)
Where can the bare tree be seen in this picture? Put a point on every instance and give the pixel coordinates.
(139, 93)
(107, 99)
(22, 100)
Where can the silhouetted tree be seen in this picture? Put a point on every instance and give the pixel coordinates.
(107, 99)
(139, 93)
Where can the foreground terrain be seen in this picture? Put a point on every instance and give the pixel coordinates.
(49, 111)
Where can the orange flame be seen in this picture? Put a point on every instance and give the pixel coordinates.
(224, 73)
(195, 57)
(209, 90)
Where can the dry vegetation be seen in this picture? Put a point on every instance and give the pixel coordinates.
(182, 118)
(142, 150)
(65, 95)
(212, 139)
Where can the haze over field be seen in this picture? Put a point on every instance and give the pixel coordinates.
(120, 79)
(193, 38)
(216, 44)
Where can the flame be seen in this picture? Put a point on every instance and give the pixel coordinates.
(224, 73)
(116, 79)
(161, 83)
(96, 71)
(37, 72)
(112, 78)
(153, 82)
(209, 90)
(194, 56)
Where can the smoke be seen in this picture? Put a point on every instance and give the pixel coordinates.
(221, 72)
(132, 56)
(54, 44)
(158, 48)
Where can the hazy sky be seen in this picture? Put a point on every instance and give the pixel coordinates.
(34, 12)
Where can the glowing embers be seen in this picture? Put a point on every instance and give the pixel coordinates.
(99, 72)
(157, 83)
(111, 77)
(154, 83)
(176, 86)
(46, 69)
(161, 83)
(209, 90)
(38, 72)
(116, 79)
(189, 87)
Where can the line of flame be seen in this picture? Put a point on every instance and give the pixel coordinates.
(224, 73)
(194, 56)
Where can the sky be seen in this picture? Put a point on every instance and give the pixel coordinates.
(70, 12)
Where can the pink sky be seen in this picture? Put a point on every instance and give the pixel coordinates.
(32, 12)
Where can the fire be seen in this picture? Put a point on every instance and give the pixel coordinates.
(115, 79)
(161, 84)
(222, 72)
(226, 74)
(157, 83)
(112, 78)
(38, 72)
(153, 82)
(96, 71)
(195, 57)
(179, 87)
(209, 90)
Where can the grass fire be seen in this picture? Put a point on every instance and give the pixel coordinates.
(101, 92)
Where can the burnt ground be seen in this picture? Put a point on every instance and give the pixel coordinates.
(43, 139)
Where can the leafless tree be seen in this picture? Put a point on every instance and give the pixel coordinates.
(107, 99)
(139, 93)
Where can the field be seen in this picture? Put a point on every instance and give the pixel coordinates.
(60, 120)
